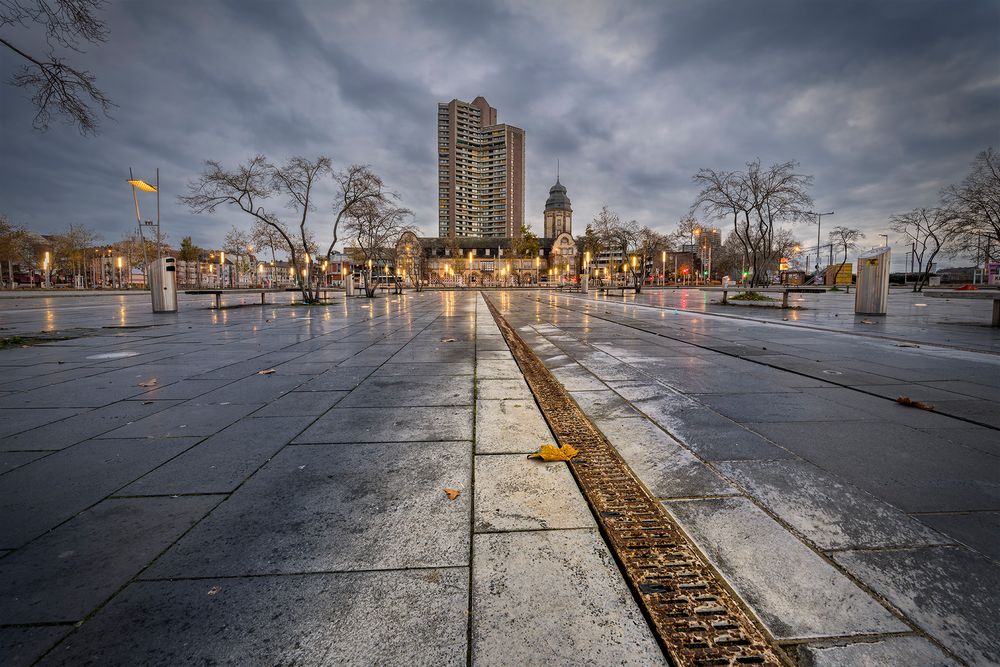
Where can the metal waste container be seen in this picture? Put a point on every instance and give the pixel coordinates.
(163, 285)
(349, 285)
(872, 294)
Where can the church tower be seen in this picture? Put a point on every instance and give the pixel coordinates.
(558, 212)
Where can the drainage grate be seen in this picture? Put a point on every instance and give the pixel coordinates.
(698, 620)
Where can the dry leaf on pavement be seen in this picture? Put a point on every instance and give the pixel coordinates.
(452, 493)
(553, 453)
(266, 371)
(906, 400)
(151, 383)
(214, 589)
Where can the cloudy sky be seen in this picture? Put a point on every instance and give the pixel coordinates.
(882, 102)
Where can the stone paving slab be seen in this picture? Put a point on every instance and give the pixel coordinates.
(83, 426)
(493, 389)
(425, 369)
(40, 495)
(183, 389)
(515, 493)
(390, 424)
(603, 404)
(338, 379)
(417, 617)
(301, 404)
(704, 431)
(978, 530)
(507, 426)
(12, 460)
(18, 419)
(665, 467)
(949, 592)
(825, 510)
(23, 646)
(794, 591)
(186, 419)
(891, 652)
(444, 390)
(223, 461)
(905, 467)
(253, 390)
(64, 575)
(336, 508)
(554, 597)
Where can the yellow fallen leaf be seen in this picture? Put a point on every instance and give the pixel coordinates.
(452, 493)
(151, 383)
(553, 453)
(266, 371)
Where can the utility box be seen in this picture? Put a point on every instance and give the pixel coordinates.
(872, 294)
(163, 285)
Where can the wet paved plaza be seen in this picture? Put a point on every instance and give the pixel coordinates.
(163, 502)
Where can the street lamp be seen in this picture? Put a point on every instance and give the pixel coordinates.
(222, 264)
(886, 237)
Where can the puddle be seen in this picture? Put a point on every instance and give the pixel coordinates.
(113, 355)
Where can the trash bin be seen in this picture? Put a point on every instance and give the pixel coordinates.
(163, 285)
(872, 294)
(349, 285)
(584, 283)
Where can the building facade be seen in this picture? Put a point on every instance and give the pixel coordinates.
(558, 214)
(480, 172)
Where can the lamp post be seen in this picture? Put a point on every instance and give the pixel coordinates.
(119, 271)
(886, 237)
(222, 266)
(819, 226)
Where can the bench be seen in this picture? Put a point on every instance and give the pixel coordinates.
(992, 294)
(263, 291)
(608, 289)
(784, 290)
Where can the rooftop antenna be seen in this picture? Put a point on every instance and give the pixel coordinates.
(557, 170)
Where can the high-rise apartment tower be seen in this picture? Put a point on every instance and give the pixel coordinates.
(480, 172)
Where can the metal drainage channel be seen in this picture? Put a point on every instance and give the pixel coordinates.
(697, 619)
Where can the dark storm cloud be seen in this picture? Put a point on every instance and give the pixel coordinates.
(884, 103)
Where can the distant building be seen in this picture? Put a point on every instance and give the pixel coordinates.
(480, 172)
(558, 212)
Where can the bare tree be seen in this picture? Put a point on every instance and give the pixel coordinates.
(357, 187)
(295, 180)
(976, 200)
(374, 227)
(237, 244)
(248, 188)
(845, 238)
(54, 86)
(755, 200)
(12, 240)
(929, 230)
